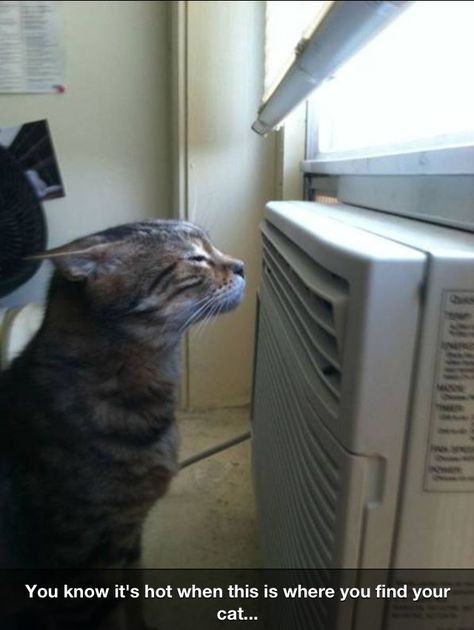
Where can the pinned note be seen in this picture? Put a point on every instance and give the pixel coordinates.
(31, 53)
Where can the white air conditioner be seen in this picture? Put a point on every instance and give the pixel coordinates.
(363, 397)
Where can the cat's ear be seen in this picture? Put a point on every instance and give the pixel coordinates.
(82, 259)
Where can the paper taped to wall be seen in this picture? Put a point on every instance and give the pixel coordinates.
(31, 55)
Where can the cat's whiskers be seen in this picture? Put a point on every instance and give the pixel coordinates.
(199, 312)
(202, 326)
(207, 302)
(212, 307)
(169, 324)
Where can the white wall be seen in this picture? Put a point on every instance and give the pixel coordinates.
(110, 127)
(230, 177)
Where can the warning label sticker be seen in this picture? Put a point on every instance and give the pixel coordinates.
(450, 458)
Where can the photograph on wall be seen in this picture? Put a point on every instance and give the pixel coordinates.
(31, 146)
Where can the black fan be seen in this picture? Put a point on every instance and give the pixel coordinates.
(22, 225)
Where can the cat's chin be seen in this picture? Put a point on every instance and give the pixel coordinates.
(233, 297)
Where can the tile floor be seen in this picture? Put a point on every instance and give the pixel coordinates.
(208, 518)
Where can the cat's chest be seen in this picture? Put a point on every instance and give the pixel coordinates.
(126, 478)
(134, 415)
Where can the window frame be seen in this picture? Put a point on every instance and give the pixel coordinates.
(434, 185)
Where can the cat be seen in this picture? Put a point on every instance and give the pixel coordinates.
(88, 440)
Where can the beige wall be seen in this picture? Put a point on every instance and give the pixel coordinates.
(230, 177)
(111, 126)
(290, 151)
(112, 130)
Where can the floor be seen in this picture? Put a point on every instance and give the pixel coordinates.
(208, 519)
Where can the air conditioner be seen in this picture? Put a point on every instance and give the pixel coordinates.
(363, 394)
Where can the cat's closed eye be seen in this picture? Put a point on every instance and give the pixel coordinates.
(198, 259)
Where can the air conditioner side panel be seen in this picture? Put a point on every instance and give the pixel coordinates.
(436, 512)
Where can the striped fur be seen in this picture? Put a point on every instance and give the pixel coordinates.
(87, 434)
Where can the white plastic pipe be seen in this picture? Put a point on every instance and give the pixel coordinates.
(341, 31)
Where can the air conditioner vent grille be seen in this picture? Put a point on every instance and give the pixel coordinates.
(307, 483)
(314, 302)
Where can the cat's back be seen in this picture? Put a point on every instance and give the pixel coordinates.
(15, 441)
(27, 414)
(21, 399)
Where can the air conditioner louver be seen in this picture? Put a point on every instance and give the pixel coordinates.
(314, 303)
(308, 476)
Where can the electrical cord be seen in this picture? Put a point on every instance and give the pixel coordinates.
(214, 449)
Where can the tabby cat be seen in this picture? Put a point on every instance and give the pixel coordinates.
(87, 433)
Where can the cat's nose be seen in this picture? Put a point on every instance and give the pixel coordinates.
(238, 268)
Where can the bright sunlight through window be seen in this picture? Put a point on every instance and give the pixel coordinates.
(411, 88)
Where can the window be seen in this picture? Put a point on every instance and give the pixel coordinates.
(393, 129)
(391, 107)
(410, 88)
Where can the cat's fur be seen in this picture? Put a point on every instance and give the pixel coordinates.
(87, 432)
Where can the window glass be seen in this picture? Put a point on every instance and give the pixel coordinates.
(410, 88)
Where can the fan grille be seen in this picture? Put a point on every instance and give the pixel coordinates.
(22, 225)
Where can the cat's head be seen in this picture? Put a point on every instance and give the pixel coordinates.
(151, 272)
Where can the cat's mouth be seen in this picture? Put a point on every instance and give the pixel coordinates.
(231, 295)
(223, 298)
